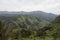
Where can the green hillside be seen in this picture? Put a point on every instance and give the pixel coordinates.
(29, 28)
(31, 22)
(55, 28)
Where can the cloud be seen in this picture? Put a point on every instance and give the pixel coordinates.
(52, 6)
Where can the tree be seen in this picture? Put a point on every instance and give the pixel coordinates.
(25, 33)
(0, 30)
(41, 33)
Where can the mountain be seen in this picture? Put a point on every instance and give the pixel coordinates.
(57, 20)
(31, 22)
(56, 23)
(55, 27)
(39, 14)
(42, 15)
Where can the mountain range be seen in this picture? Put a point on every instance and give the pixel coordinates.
(39, 14)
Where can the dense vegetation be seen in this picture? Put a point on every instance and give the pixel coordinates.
(30, 28)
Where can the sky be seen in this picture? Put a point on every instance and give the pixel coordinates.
(49, 6)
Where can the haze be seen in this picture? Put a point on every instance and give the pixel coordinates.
(50, 6)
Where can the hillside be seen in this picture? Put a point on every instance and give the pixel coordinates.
(29, 26)
(55, 32)
(32, 22)
(57, 20)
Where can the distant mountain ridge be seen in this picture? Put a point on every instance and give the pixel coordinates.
(39, 14)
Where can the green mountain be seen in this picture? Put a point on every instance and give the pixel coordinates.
(55, 27)
(56, 23)
(57, 20)
(31, 22)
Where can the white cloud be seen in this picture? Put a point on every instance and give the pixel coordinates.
(52, 6)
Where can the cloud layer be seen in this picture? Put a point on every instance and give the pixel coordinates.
(52, 6)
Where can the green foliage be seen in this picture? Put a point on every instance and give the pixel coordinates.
(0, 30)
(41, 33)
(25, 33)
(56, 28)
(31, 22)
(14, 34)
(0, 25)
(31, 28)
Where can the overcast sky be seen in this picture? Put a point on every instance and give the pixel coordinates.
(52, 6)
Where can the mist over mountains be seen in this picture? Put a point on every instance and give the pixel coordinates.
(39, 14)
